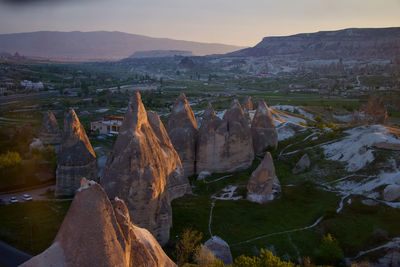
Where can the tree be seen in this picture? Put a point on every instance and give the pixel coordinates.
(9, 160)
(187, 246)
(266, 259)
(329, 251)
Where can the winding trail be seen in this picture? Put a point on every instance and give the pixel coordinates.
(210, 219)
(218, 179)
(395, 243)
(283, 232)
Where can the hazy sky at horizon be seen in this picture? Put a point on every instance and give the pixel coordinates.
(237, 22)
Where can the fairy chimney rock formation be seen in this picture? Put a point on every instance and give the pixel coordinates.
(138, 171)
(248, 103)
(97, 233)
(182, 129)
(76, 158)
(373, 112)
(263, 185)
(220, 249)
(49, 132)
(239, 152)
(211, 143)
(177, 183)
(303, 164)
(263, 130)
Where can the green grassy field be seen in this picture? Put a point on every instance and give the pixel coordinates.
(32, 226)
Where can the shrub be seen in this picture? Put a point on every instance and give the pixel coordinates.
(205, 258)
(266, 259)
(187, 246)
(329, 251)
(9, 160)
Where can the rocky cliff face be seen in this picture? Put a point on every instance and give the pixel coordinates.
(76, 158)
(49, 132)
(263, 130)
(97, 233)
(373, 112)
(263, 185)
(348, 44)
(177, 182)
(183, 131)
(138, 170)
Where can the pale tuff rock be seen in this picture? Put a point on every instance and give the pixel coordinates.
(263, 130)
(49, 132)
(96, 233)
(247, 103)
(138, 171)
(373, 112)
(220, 249)
(239, 150)
(392, 192)
(211, 144)
(76, 158)
(302, 165)
(177, 182)
(183, 131)
(263, 185)
(224, 145)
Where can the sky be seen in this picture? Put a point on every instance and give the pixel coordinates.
(237, 22)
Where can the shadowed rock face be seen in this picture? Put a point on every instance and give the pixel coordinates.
(49, 132)
(220, 249)
(373, 112)
(263, 184)
(302, 165)
(96, 233)
(138, 171)
(183, 131)
(177, 182)
(76, 158)
(224, 145)
(263, 130)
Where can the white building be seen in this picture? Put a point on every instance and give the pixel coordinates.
(109, 125)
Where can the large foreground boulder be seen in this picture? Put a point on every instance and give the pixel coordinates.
(138, 171)
(76, 158)
(177, 183)
(49, 132)
(373, 112)
(263, 130)
(97, 233)
(220, 249)
(264, 185)
(182, 130)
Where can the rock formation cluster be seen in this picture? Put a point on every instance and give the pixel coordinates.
(49, 132)
(145, 171)
(373, 112)
(96, 232)
(76, 158)
(182, 129)
(224, 145)
(264, 185)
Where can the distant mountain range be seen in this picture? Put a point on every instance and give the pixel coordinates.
(356, 43)
(161, 53)
(99, 45)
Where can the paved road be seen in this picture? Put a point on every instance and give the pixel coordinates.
(35, 193)
(10, 256)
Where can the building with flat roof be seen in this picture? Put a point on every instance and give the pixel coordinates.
(108, 125)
